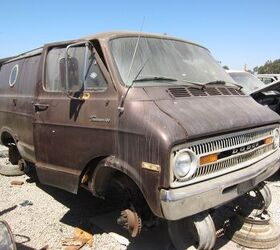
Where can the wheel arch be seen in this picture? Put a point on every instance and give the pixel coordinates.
(101, 169)
(99, 175)
(8, 137)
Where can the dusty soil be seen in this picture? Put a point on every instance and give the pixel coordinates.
(42, 216)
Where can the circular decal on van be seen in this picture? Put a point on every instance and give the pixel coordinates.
(13, 75)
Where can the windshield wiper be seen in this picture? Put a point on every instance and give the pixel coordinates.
(154, 78)
(237, 85)
(220, 82)
(169, 79)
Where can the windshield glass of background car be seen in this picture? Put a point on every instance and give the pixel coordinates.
(165, 58)
(249, 82)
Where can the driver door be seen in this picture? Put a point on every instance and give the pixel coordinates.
(73, 125)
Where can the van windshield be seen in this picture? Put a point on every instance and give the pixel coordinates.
(158, 59)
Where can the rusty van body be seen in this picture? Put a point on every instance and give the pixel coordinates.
(154, 109)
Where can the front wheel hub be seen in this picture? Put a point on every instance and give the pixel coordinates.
(130, 221)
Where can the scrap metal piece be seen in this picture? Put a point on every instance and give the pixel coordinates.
(195, 232)
(258, 232)
(130, 221)
(10, 170)
(17, 183)
(6, 237)
(26, 203)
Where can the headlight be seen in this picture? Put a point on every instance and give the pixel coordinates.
(185, 164)
(276, 138)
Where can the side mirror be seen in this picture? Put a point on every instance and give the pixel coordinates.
(75, 66)
(70, 75)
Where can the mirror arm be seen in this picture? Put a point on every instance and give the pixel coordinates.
(85, 62)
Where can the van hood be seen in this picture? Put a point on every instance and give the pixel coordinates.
(203, 116)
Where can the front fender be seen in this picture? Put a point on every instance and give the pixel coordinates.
(107, 167)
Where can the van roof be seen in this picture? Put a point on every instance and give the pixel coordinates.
(20, 56)
(105, 36)
(118, 34)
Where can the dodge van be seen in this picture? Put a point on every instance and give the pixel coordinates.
(151, 118)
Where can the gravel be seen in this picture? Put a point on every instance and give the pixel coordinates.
(42, 216)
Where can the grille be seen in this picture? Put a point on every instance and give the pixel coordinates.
(233, 91)
(197, 92)
(180, 92)
(232, 161)
(213, 91)
(224, 91)
(235, 160)
(239, 140)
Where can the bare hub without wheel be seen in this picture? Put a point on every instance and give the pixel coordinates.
(130, 221)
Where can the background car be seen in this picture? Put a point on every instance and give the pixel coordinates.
(268, 78)
(265, 94)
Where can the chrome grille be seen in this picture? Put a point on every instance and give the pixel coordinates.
(221, 144)
(235, 160)
(229, 162)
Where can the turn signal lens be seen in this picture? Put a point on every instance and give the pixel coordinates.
(268, 140)
(208, 159)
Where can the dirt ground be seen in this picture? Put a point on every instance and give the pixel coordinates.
(43, 217)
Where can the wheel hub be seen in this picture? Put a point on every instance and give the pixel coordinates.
(130, 221)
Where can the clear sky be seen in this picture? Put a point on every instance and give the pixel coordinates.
(236, 32)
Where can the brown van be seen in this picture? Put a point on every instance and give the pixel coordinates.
(151, 118)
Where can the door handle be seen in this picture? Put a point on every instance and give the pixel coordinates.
(40, 107)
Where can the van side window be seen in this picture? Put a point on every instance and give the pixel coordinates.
(55, 81)
(56, 72)
(95, 80)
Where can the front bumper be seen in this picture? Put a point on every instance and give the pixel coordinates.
(186, 201)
